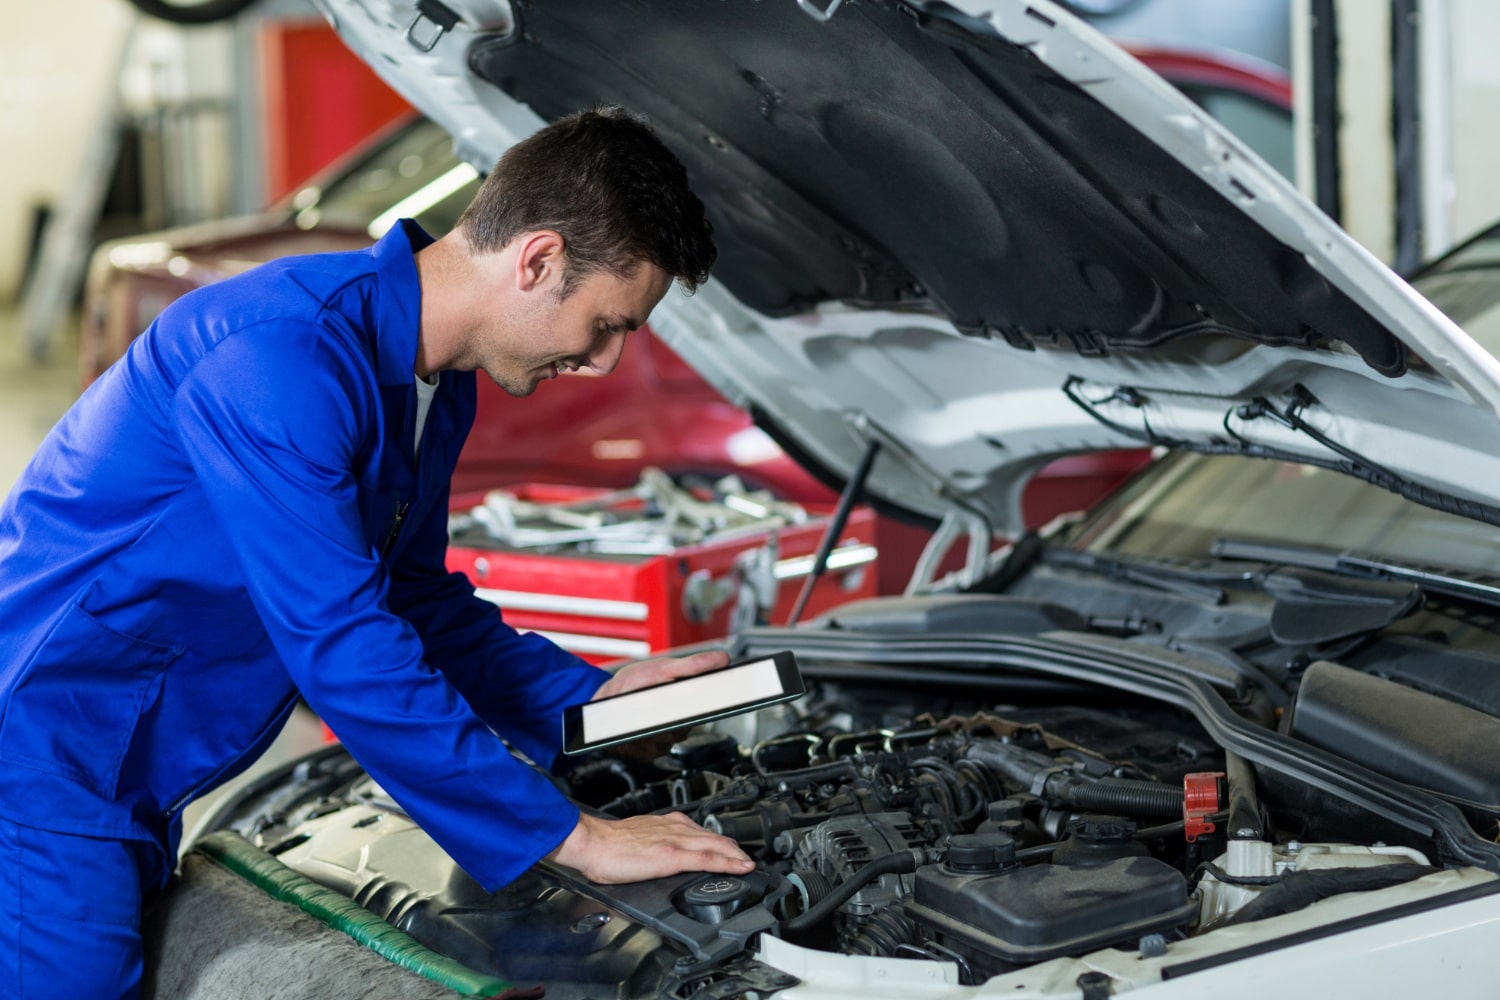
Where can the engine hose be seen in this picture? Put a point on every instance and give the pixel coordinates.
(608, 765)
(740, 793)
(1117, 796)
(1017, 765)
(631, 804)
(1244, 809)
(898, 863)
(1149, 833)
(886, 930)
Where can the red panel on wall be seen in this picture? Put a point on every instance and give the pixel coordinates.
(320, 101)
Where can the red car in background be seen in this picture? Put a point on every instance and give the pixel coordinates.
(654, 410)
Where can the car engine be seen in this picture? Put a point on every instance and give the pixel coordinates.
(988, 836)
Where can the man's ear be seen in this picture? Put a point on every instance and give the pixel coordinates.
(540, 261)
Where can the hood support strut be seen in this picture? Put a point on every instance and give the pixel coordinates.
(852, 490)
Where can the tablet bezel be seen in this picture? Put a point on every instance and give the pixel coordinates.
(787, 674)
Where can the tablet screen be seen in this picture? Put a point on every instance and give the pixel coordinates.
(739, 687)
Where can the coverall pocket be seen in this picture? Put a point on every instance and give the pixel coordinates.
(76, 707)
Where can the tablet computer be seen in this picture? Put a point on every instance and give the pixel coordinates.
(688, 701)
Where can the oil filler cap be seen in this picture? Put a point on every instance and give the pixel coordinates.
(712, 899)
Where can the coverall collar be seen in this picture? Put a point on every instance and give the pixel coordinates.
(400, 305)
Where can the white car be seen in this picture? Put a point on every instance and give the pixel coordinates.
(1236, 733)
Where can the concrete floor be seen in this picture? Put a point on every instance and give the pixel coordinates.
(32, 397)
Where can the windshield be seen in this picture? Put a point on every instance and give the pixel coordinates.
(1184, 503)
(413, 175)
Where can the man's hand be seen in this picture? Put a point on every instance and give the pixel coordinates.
(660, 670)
(648, 673)
(609, 852)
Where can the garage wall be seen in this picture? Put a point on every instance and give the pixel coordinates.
(42, 106)
(1473, 140)
(1459, 141)
(1367, 158)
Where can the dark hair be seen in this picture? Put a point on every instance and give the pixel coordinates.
(612, 189)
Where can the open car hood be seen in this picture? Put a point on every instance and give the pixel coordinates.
(980, 234)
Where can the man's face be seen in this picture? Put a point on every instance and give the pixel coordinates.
(583, 329)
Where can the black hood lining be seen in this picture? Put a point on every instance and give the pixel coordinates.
(898, 156)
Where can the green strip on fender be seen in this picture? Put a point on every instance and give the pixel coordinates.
(249, 862)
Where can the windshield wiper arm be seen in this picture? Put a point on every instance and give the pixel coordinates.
(1183, 583)
(1484, 590)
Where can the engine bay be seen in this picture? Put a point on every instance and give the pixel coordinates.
(894, 813)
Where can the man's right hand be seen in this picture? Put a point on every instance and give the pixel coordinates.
(611, 851)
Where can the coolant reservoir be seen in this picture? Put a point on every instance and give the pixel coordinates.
(999, 915)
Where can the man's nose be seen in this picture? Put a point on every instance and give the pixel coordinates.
(604, 358)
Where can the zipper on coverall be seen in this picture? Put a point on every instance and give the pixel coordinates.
(390, 539)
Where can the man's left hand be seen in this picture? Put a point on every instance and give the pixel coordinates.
(647, 673)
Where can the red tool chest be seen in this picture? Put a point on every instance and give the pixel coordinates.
(604, 573)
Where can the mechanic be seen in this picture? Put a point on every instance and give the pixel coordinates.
(253, 503)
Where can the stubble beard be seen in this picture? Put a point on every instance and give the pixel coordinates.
(513, 386)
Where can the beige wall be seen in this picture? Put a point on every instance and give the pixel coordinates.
(1368, 158)
(57, 66)
(1473, 141)
(1367, 185)
(1459, 59)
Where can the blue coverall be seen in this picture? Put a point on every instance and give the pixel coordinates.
(231, 515)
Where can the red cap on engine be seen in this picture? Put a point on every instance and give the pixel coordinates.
(1200, 800)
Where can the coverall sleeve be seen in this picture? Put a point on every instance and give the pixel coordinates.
(518, 684)
(274, 419)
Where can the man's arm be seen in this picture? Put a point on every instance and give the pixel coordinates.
(272, 424)
(517, 683)
(272, 419)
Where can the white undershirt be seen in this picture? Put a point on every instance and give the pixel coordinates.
(425, 391)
